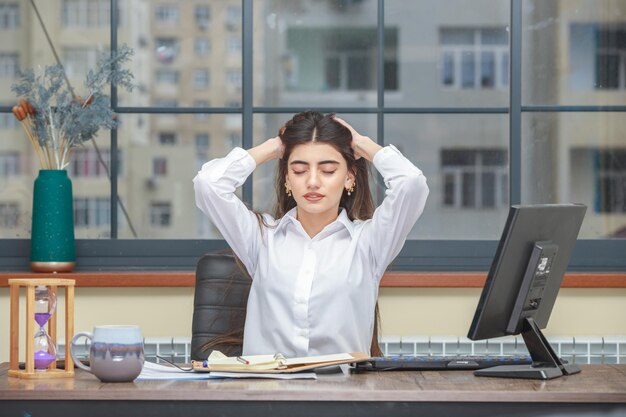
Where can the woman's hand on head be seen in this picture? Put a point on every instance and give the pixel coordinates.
(363, 146)
(270, 149)
(279, 146)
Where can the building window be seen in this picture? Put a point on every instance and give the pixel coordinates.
(233, 45)
(202, 142)
(233, 78)
(92, 212)
(78, 61)
(347, 59)
(9, 215)
(160, 214)
(475, 178)
(201, 78)
(159, 167)
(164, 76)
(9, 164)
(201, 46)
(9, 16)
(610, 59)
(86, 13)
(166, 49)
(474, 58)
(8, 121)
(232, 19)
(167, 138)
(611, 181)
(167, 13)
(233, 140)
(85, 163)
(202, 16)
(9, 65)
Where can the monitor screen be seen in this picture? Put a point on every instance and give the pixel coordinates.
(523, 283)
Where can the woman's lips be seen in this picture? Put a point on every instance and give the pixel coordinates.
(313, 196)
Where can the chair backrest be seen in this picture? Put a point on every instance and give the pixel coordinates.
(220, 299)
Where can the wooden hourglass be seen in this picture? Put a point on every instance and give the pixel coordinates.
(41, 295)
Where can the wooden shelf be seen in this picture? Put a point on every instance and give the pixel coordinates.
(390, 280)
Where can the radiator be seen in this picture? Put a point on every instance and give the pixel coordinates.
(579, 349)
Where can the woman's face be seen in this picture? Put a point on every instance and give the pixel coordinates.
(317, 174)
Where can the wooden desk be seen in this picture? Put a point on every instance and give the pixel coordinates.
(598, 389)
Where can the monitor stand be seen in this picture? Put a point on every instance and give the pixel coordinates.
(546, 364)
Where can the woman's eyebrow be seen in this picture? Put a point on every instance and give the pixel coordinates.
(330, 161)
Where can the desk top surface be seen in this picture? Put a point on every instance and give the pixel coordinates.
(595, 384)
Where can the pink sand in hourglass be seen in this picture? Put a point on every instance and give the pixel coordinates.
(43, 359)
(42, 318)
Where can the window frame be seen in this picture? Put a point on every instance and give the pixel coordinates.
(115, 254)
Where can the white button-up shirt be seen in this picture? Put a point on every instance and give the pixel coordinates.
(311, 296)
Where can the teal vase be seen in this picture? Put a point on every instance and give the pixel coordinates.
(52, 246)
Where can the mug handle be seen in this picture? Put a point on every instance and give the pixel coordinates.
(77, 361)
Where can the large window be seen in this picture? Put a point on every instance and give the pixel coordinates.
(498, 102)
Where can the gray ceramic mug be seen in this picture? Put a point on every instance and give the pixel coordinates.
(116, 353)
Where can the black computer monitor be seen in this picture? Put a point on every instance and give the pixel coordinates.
(523, 283)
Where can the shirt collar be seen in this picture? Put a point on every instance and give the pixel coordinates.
(342, 218)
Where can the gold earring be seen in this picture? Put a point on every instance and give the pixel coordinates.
(287, 190)
(351, 189)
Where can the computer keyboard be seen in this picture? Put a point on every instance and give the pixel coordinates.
(422, 363)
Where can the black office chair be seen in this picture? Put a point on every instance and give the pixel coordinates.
(220, 299)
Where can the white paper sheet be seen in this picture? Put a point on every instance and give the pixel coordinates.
(153, 371)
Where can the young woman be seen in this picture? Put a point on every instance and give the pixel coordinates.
(317, 262)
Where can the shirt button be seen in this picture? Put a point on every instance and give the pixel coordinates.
(303, 332)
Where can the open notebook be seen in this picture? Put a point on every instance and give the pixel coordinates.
(273, 364)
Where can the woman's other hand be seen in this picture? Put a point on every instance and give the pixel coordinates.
(363, 146)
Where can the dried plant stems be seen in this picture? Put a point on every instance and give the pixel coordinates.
(23, 113)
